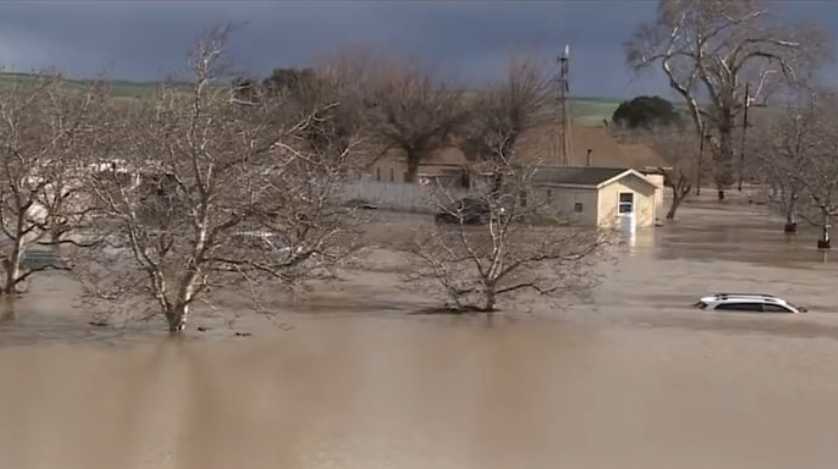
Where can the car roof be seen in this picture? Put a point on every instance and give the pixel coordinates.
(747, 299)
(764, 295)
(738, 298)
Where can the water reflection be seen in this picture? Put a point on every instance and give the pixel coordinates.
(373, 393)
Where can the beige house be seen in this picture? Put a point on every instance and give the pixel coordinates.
(604, 197)
(594, 175)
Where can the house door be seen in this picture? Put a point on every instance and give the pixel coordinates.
(625, 211)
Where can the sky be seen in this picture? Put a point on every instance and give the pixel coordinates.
(468, 40)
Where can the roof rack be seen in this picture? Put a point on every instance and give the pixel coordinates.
(765, 295)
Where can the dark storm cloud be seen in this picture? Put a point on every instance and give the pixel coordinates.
(467, 40)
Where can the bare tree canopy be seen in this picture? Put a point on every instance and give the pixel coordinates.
(678, 149)
(201, 193)
(414, 113)
(710, 50)
(503, 243)
(798, 149)
(46, 128)
(784, 143)
(506, 109)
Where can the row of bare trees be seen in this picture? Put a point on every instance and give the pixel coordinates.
(721, 57)
(212, 186)
(797, 150)
(167, 202)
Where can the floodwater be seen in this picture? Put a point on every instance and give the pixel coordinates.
(630, 377)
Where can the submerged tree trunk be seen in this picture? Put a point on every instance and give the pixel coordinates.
(825, 242)
(699, 163)
(791, 216)
(7, 309)
(724, 162)
(680, 190)
(491, 300)
(11, 265)
(677, 198)
(176, 317)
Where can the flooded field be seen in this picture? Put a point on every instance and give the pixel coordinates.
(628, 377)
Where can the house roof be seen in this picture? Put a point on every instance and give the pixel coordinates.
(449, 155)
(641, 156)
(582, 176)
(446, 156)
(542, 145)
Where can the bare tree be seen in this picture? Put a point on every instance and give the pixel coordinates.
(799, 159)
(204, 195)
(414, 113)
(678, 149)
(46, 128)
(785, 144)
(710, 49)
(503, 112)
(502, 244)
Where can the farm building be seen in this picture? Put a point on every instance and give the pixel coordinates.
(604, 197)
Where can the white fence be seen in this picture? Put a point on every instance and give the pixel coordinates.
(396, 195)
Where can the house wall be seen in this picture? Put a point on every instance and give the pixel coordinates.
(389, 168)
(392, 166)
(644, 202)
(562, 201)
(657, 180)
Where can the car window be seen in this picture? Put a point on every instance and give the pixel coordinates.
(771, 308)
(754, 307)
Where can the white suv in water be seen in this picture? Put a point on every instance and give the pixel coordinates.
(748, 302)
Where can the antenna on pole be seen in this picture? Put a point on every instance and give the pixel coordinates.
(563, 83)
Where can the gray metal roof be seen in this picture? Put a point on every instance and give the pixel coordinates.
(584, 176)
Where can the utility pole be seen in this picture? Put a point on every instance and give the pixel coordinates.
(563, 95)
(744, 134)
(698, 166)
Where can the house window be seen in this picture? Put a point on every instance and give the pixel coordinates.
(392, 175)
(626, 203)
(578, 207)
(523, 198)
(378, 174)
(549, 196)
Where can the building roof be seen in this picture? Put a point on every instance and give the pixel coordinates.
(542, 145)
(582, 176)
(641, 156)
(446, 156)
(449, 155)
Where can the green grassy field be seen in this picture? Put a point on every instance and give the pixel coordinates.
(120, 88)
(588, 111)
(591, 111)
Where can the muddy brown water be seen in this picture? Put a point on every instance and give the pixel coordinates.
(629, 377)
